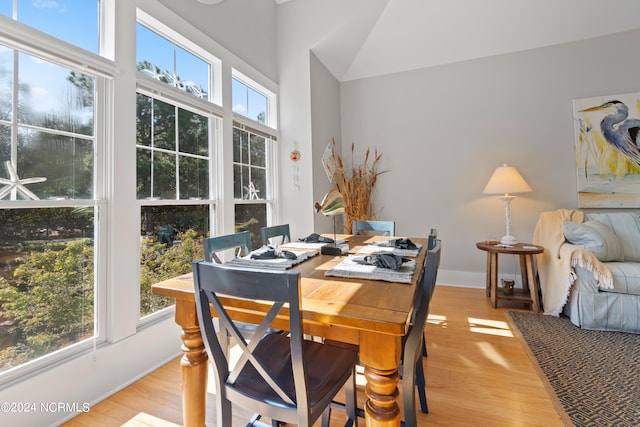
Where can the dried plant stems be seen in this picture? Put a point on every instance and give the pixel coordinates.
(356, 183)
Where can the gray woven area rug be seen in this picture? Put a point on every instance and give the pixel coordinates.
(595, 375)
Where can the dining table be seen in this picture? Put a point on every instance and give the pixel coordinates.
(370, 313)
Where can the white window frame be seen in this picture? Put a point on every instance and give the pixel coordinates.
(211, 108)
(23, 38)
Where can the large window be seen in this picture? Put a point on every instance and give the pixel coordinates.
(253, 148)
(49, 185)
(173, 134)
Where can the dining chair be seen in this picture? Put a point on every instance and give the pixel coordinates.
(240, 242)
(282, 377)
(387, 228)
(412, 356)
(281, 231)
(433, 236)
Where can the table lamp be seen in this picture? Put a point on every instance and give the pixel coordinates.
(506, 180)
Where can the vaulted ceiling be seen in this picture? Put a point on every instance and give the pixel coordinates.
(387, 36)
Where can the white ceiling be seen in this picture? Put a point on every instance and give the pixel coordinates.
(388, 36)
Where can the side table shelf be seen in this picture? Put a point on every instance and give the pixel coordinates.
(529, 292)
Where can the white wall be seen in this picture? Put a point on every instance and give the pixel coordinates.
(443, 130)
(325, 125)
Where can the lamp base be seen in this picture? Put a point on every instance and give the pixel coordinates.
(508, 240)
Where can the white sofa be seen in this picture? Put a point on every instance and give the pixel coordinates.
(602, 253)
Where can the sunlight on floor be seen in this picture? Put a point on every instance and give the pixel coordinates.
(491, 353)
(491, 327)
(143, 420)
(436, 319)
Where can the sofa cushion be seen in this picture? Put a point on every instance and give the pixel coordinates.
(626, 226)
(596, 237)
(626, 278)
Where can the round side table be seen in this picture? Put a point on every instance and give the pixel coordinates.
(529, 292)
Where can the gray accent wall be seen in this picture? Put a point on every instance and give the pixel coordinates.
(443, 130)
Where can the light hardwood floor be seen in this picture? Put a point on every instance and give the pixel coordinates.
(478, 374)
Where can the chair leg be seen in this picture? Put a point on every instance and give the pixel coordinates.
(326, 416)
(421, 386)
(351, 400)
(424, 344)
(409, 393)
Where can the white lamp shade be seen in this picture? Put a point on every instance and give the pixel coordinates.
(506, 180)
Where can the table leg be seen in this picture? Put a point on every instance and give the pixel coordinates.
(494, 278)
(193, 366)
(523, 271)
(380, 354)
(533, 283)
(488, 274)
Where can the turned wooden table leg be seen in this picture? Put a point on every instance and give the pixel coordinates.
(380, 355)
(193, 366)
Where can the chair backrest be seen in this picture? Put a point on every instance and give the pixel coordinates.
(425, 292)
(387, 228)
(279, 288)
(275, 231)
(433, 236)
(213, 245)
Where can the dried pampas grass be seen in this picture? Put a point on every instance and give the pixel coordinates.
(356, 182)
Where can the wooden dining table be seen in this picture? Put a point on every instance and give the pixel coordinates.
(373, 314)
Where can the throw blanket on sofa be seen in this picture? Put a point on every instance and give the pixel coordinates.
(555, 264)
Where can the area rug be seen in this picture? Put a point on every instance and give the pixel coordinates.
(594, 375)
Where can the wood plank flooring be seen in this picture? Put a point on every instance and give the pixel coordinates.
(478, 374)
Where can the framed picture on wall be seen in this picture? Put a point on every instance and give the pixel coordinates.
(607, 133)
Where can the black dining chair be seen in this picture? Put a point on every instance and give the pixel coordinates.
(433, 236)
(281, 231)
(282, 377)
(240, 242)
(386, 228)
(412, 356)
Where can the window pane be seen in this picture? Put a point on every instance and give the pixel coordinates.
(143, 172)
(164, 175)
(252, 217)
(192, 72)
(65, 162)
(74, 21)
(154, 54)
(54, 97)
(46, 281)
(237, 181)
(5, 144)
(171, 238)
(193, 133)
(258, 153)
(258, 184)
(6, 83)
(239, 97)
(257, 106)
(237, 136)
(144, 113)
(167, 62)
(248, 102)
(164, 125)
(194, 178)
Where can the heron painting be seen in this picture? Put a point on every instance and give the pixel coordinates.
(607, 148)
